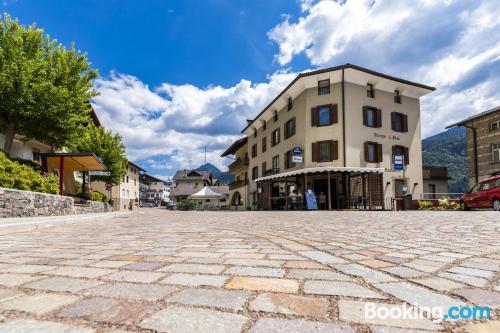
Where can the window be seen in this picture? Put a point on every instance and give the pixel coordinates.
(276, 164)
(290, 103)
(372, 117)
(324, 87)
(127, 179)
(275, 115)
(399, 187)
(254, 132)
(264, 125)
(264, 169)
(123, 192)
(324, 115)
(288, 160)
(485, 186)
(325, 151)
(264, 144)
(399, 122)
(289, 128)
(254, 150)
(370, 91)
(275, 137)
(397, 97)
(373, 152)
(36, 155)
(497, 183)
(495, 152)
(432, 191)
(494, 126)
(401, 150)
(255, 173)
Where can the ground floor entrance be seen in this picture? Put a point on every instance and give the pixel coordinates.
(330, 190)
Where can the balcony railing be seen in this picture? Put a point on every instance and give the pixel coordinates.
(435, 173)
(274, 171)
(237, 184)
(240, 162)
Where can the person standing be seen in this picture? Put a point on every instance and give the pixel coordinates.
(293, 199)
(322, 200)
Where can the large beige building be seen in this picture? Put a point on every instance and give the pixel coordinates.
(331, 132)
(483, 144)
(125, 196)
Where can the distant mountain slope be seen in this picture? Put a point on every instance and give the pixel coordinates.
(449, 149)
(223, 177)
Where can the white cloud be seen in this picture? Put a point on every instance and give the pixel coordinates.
(179, 121)
(454, 45)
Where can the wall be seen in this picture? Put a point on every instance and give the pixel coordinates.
(24, 150)
(485, 138)
(16, 203)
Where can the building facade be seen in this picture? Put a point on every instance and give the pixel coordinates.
(154, 190)
(124, 196)
(333, 133)
(483, 144)
(188, 182)
(435, 182)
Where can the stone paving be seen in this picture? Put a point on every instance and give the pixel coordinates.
(225, 272)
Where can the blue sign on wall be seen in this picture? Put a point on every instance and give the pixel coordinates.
(297, 151)
(399, 162)
(311, 200)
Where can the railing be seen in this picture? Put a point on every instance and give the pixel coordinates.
(238, 163)
(435, 172)
(270, 172)
(437, 196)
(237, 184)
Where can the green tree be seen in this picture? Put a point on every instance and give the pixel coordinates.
(44, 87)
(107, 146)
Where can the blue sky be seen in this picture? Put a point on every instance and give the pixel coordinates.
(179, 75)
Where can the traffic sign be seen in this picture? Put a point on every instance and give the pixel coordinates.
(399, 162)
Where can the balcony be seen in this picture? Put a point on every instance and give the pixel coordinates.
(237, 184)
(270, 172)
(240, 162)
(432, 172)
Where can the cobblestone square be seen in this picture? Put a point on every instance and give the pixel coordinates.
(170, 271)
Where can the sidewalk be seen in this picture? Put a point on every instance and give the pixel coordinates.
(36, 222)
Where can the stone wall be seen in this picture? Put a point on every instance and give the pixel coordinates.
(16, 203)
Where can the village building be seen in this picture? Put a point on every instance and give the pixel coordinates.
(435, 182)
(483, 144)
(188, 182)
(332, 134)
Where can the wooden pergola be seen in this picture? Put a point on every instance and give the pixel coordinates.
(71, 162)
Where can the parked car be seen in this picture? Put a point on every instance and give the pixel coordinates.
(485, 194)
(148, 205)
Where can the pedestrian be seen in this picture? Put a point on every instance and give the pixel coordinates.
(293, 199)
(322, 200)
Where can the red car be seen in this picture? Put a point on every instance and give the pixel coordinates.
(485, 194)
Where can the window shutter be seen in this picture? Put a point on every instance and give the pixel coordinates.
(379, 118)
(379, 152)
(293, 126)
(393, 120)
(315, 152)
(405, 123)
(367, 159)
(394, 148)
(334, 114)
(407, 155)
(334, 146)
(285, 131)
(365, 115)
(314, 117)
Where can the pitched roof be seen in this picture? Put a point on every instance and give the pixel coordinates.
(336, 68)
(479, 115)
(191, 174)
(233, 148)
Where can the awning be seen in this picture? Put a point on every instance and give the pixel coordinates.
(74, 161)
(322, 169)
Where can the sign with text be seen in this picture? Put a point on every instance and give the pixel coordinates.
(297, 159)
(399, 162)
(297, 151)
(311, 200)
(99, 173)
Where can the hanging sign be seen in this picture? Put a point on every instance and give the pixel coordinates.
(399, 162)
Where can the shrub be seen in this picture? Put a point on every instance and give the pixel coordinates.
(98, 196)
(186, 204)
(23, 177)
(445, 204)
(424, 205)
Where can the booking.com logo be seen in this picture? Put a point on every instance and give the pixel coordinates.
(436, 314)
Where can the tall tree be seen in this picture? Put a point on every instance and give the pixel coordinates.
(105, 145)
(44, 87)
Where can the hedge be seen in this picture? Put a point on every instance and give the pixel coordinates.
(23, 177)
